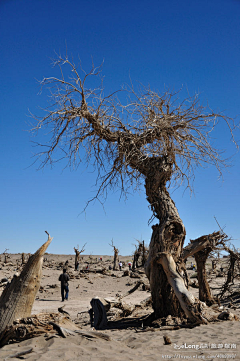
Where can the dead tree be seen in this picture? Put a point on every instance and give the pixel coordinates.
(136, 257)
(139, 256)
(234, 258)
(6, 255)
(17, 299)
(77, 255)
(203, 247)
(115, 257)
(211, 243)
(144, 253)
(204, 289)
(149, 139)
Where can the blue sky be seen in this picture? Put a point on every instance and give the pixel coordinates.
(174, 44)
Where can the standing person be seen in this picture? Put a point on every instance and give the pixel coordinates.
(64, 278)
(120, 265)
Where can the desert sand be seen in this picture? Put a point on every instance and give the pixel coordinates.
(218, 340)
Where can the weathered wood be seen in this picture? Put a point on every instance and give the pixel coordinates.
(196, 311)
(205, 294)
(230, 274)
(17, 298)
(64, 332)
(186, 299)
(99, 314)
(138, 284)
(42, 323)
(201, 243)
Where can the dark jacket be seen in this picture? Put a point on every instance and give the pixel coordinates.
(64, 278)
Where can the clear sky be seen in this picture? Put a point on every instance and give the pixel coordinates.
(194, 44)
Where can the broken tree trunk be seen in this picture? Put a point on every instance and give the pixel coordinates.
(204, 289)
(17, 299)
(230, 274)
(98, 314)
(115, 260)
(200, 248)
(210, 240)
(115, 257)
(6, 258)
(136, 256)
(77, 256)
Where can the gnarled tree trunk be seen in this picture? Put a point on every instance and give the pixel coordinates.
(167, 237)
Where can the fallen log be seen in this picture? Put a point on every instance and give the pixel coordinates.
(138, 284)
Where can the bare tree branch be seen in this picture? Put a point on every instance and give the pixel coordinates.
(121, 138)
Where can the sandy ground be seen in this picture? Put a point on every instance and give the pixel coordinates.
(206, 342)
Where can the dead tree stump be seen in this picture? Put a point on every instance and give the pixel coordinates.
(98, 316)
(115, 258)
